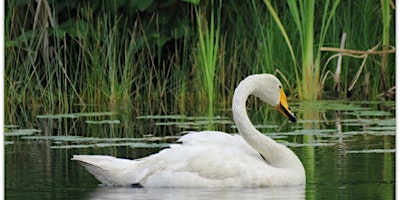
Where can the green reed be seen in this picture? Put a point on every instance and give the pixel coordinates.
(208, 49)
(386, 15)
(303, 15)
(111, 61)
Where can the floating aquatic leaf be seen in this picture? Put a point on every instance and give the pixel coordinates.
(387, 122)
(366, 132)
(357, 124)
(17, 133)
(313, 121)
(147, 135)
(307, 145)
(74, 115)
(381, 128)
(320, 132)
(77, 146)
(387, 103)
(214, 118)
(8, 142)
(317, 131)
(189, 127)
(102, 145)
(149, 145)
(103, 122)
(161, 117)
(93, 139)
(373, 151)
(171, 123)
(95, 114)
(370, 113)
(193, 127)
(10, 126)
(22, 132)
(60, 138)
(189, 121)
(266, 126)
(355, 120)
(329, 105)
(277, 137)
(192, 123)
(57, 116)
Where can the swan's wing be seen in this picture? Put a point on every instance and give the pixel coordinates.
(209, 158)
(205, 158)
(113, 171)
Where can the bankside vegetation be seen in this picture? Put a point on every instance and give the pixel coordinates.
(181, 56)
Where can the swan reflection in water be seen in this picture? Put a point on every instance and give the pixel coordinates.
(285, 192)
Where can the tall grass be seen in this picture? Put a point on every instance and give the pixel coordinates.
(103, 66)
(386, 15)
(303, 16)
(208, 49)
(102, 60)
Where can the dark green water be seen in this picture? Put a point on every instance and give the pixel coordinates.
(347, 150)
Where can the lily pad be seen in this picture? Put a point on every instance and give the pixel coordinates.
(102, 145)
(214, 118)
(94, 139)
(95, 114)
(103, 122)
(57, 116)
(22, 132)
(59, 138)
(381, 128)
(161, 117)
(192, 123)
(330, 105)
(373, 151)
(265, 126)
(370, 113)
(366, 132)
(75, 115)
(307, 144)
(316, 132)
(10, 126)
(387, 122)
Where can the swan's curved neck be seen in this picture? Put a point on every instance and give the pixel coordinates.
(275, 154)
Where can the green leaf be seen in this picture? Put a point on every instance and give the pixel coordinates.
(196, 2)
(24, 37)
(143, 4)
(74, 28)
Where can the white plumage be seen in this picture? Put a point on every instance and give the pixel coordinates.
(211, 158)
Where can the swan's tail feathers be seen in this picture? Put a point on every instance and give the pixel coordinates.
(107, 169)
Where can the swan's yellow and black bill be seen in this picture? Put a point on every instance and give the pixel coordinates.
(284, 108)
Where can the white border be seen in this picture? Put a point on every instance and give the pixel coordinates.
(2, 66)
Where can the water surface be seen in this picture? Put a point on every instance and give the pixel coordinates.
(347, 149)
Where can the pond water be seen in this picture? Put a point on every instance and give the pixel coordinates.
(347, 149)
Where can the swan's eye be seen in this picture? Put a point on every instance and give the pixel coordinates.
(280, 86)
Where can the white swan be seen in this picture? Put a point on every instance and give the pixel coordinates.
(211, 158)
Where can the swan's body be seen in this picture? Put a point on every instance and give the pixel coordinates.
(211, 158)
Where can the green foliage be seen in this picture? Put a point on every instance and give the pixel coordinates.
(208, 49)
(303, 16)
(170, 57)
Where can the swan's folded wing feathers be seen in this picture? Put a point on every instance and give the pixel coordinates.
(102, 162)
(208, 156)
(205, 137)
(106, 169)
(211, 150)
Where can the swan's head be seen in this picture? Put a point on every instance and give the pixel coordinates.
(269, 89)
